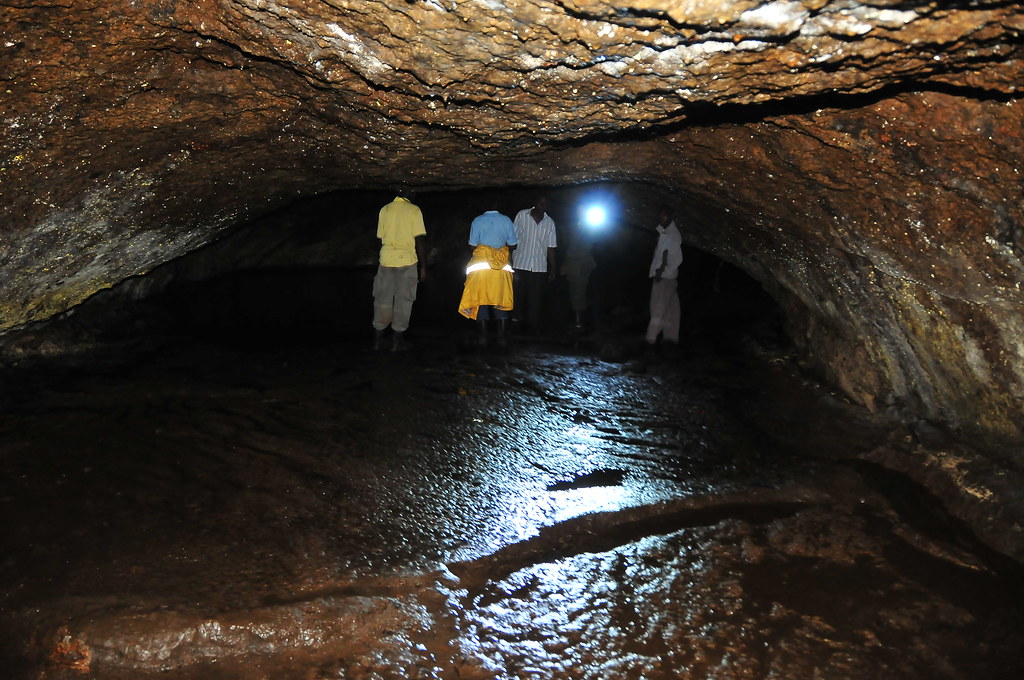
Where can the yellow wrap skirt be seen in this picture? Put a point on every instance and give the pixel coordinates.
(488, 281)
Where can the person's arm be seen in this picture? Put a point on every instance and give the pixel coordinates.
(474, 237)
(511, 237)
(552, 264)
(664, 263)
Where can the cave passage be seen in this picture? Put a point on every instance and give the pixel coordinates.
(210, 474)
(262, 495)
(303, 274)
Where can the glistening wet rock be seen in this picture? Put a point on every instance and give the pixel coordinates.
(334, 512)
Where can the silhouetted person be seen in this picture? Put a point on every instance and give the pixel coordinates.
(668, 255)
(577, 267)
(488, 292)
(401, 232)
(534, 261)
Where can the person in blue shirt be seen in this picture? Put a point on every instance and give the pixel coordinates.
(487, 293)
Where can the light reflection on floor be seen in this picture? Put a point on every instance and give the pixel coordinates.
(520, 492)
(583, 617)
(569, 504)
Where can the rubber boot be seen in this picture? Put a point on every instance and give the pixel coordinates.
(481, 325)
(378, 339)
(398, 342)
(502, 333)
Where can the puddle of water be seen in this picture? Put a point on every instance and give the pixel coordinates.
(602, 478)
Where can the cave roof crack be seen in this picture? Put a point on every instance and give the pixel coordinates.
(624, 14)
(308, 77)
(805, 131)
(38, 6)
(284, 14)
(704, 114)
(230, 45)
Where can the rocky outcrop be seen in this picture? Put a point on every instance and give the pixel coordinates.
(860, 158)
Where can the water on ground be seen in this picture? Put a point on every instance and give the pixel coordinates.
(333, 512)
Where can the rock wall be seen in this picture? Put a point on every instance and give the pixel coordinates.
(862, 159)
(892, 234)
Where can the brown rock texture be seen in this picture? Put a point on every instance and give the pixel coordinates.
(862, 159)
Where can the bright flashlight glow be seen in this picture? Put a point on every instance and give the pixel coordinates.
(595, 216)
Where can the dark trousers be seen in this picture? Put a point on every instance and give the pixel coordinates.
(488, 312)
(529, 296)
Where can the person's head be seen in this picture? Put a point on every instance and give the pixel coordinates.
(405, 191)
(541, 204)
(664, 214)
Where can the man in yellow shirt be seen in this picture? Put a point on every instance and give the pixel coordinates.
(401, 232)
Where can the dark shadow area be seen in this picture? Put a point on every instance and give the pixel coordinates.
(311, 280)
(302, 276)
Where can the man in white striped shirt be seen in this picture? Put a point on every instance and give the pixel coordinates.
(534, 261)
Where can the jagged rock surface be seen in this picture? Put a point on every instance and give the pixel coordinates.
(862, 159)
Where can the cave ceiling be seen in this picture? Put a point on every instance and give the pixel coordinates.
(851, 155)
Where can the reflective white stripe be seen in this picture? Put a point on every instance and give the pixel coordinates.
(484, 265)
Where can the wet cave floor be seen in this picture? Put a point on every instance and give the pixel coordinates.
(334, 512)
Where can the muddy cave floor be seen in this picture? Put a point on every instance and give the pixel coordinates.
(334, 512)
